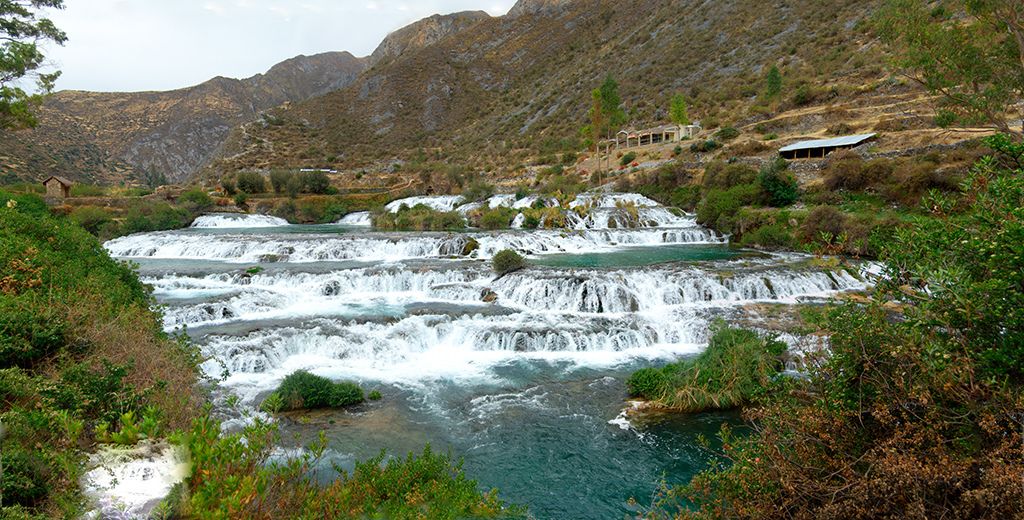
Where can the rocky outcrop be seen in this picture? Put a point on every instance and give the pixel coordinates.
(423, 33)
(524, 7)
(113, 137)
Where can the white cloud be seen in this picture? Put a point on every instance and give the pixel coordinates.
(166, 44)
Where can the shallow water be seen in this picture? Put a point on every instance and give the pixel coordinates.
(522, 376)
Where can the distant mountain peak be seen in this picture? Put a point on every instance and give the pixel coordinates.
(524, 7)
(423, 33)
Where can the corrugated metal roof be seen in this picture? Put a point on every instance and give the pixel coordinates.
(849, 140)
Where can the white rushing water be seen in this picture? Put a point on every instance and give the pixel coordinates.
(237, 220)
(128, 482)
(359, 218)
(435, 202)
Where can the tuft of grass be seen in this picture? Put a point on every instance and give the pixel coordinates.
(302, 390)
(737, 366)
(507, 261)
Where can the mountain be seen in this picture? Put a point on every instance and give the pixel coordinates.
(108, 137)
(497, 90)
(424, 33)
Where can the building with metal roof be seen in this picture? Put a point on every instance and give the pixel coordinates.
(821, 147)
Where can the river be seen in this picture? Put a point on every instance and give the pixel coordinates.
(527, 387)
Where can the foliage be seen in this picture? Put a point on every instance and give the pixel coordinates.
(719, 207)
(81, 351)
(477, 191)
(375, 395)
(251, 183)
(195, 200)
(497, 218)
(917, 413)
(507, 261)
(773, 83)
(707, 146)
(678, 111)
(727, 134)
(91, 218)
(720, 175)
(606, 113)
(240, 199)
(737, 367)
(87, 190)
(627, 158)
(972, 60)
(234, 476)
(302, 390)
(779, 188)
(22, 33)
(419, 218)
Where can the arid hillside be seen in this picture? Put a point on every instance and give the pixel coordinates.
(114, 137)
(503, 89)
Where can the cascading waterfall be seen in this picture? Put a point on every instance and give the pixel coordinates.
(237, 220)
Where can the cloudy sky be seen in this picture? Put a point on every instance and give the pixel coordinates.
(126, 45)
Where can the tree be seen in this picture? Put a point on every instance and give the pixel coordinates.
(971, 53)
(611, 104)
(22, 31)
(773, 83)
(678, 110)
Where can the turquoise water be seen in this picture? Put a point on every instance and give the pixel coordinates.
(643, 256)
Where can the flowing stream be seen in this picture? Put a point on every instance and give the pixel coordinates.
(521, 375)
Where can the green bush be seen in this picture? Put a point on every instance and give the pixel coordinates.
(705, 146)
(302, 390)
(91, 218)
(315, 182)
(240, 199)
(87, 190)
(375, 395)
(737, 367)
(279, 180)
(507, 261)
(719, 207)
(195, 200)
(727, 134)
(722, 176)
(498, 218)
(477, 191)
(647, 383)
(779, 188)
(419, 218)
(627, 159)
(251, 183)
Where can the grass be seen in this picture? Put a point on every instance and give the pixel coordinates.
(302, 390)
(418, 218)
(737, 366)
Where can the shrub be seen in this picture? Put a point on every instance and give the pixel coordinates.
(497, 218)
(779, 188)
(705, 146)
(822, 222)
(315, 182)
(251, 183)
(195, 200)
(375, 395)
(507, 261)
(87, 190)
(477, 191)
(91, 218)
(240, 199)
(727, 134)
(737, 367)
(647, 383)
(302, 390)
(419, 218)
(719, 207)
(627, 159)
(722, 176)
(228, 184)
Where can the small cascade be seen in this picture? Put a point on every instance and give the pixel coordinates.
(237, 221)
(357, 219)
(613, 200)
(435, 202)
(129, 482)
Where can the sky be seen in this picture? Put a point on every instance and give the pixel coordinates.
(131, 45)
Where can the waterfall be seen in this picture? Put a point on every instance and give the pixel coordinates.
(435, 202)
(237, 220)
(359, 218)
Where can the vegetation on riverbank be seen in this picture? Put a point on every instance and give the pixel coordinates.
(737, 366)
(418, 218)
(917, 412)
(81, 356)
(302, 390)
(235, 476)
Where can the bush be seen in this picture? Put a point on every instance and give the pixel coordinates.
(779, 188)
(498, 218)
(419, 218)
(228, 185)
(627, 159)
(251, 183)
(195, 200)
(727, 134)
(240, 199)
(375, 395)
(315, 182)
(705, 146)
(722, 176)
(91, 218)
(279, 180)
(302, 390)
(823, 223)
(477, 191)
(737, 367)
(507, 261)
(719, 207)
(647, 383)
(87, 190)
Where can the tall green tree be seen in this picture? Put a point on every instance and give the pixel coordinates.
(611, 104)
(773, 83)
(22, 30)
(970, 53)
(678, 111)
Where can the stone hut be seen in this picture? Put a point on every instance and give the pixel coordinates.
(57, 187)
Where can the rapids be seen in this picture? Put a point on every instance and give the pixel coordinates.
(522, 375)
